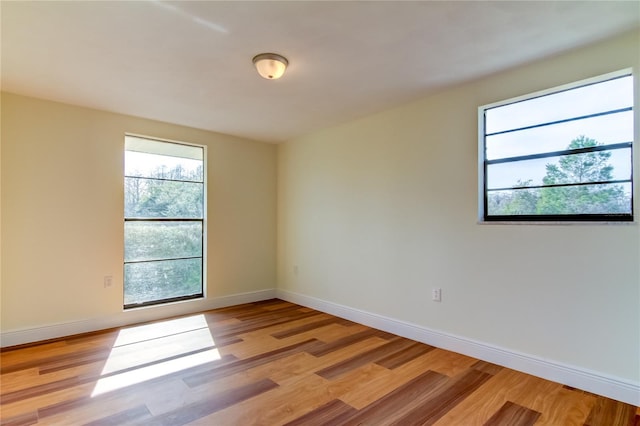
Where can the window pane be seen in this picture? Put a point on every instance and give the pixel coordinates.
(151, 281)
(578, 168)
(601, 181)
(606, 129)
(163, 252)
(148, 198)
(586, 199)
(148, 165)
(594, 98)
(161, 240)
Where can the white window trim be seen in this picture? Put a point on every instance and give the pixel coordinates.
(204, 221)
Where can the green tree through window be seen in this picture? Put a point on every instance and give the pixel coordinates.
(586, 168)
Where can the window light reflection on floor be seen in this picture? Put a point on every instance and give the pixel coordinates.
(154, 350)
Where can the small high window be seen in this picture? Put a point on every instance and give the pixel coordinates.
(561, 155)
(164, 214)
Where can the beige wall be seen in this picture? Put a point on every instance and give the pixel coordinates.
(62, 211)
(377, 212)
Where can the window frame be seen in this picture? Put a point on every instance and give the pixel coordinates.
(202, 221)
(483, 163)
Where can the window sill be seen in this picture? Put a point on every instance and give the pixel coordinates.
(556, 223)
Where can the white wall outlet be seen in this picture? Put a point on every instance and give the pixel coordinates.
(295, 270)
(436, 295)
(108, 281)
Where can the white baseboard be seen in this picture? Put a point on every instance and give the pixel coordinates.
(591, 381)
(129, 317)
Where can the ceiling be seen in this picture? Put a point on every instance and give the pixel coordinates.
(189, 63)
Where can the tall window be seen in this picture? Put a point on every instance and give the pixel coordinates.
(163, 221)
(561, 155)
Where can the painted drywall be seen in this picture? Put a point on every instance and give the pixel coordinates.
(62, 212)
(375, 213)
(0, 214)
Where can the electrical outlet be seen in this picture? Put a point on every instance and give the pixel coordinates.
(108, 281)
(295, 270)
(436, 295)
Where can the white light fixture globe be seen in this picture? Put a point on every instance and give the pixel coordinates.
(270, 65)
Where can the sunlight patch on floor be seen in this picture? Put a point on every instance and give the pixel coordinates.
(150, 351)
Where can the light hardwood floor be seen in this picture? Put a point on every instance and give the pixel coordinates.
(275, 363)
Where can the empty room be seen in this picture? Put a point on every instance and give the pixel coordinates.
(319, 213)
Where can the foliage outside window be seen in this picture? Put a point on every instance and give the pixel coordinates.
(163, 221)
(564, 155)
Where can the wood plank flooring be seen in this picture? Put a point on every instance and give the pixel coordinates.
(276, 363)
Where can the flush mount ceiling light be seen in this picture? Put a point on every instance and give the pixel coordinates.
(270, 65)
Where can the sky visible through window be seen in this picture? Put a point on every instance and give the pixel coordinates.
(595, 98)
(146, 164)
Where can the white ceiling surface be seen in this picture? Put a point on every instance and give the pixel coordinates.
(189, 63)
